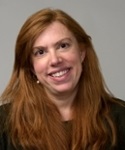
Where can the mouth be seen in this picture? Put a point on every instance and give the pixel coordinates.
(60, 73)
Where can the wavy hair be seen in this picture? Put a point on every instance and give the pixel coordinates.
(34, 121)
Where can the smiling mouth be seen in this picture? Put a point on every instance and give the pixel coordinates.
(60, 73)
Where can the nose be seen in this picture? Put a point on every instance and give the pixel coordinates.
(55, 58)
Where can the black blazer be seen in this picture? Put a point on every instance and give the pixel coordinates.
(117, 112)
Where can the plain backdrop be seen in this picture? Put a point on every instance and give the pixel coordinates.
(103, 20)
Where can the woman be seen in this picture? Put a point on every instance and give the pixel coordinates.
(56, 98)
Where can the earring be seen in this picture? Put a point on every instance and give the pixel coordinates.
(37, 81)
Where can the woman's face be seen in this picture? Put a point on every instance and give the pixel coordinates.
(57, 59)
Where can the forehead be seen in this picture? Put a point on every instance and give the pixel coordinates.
(54, 32)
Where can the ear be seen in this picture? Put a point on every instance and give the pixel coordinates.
(82, 52)
(31, 66)
(33, 71)
(34, 75)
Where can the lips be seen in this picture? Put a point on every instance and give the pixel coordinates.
(60, 73)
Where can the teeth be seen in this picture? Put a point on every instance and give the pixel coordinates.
(61, 73)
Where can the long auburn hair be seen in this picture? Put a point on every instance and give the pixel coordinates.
(34, 121)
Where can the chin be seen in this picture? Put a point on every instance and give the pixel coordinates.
(64, 89)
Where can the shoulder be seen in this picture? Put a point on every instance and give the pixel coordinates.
(4, 108)
(117, 108)
(4, 113)
(117, 111)
(4, 138)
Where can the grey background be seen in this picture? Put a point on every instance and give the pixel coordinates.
(104, 21)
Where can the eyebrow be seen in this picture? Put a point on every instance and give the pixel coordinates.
(55, 44)
(58, 42)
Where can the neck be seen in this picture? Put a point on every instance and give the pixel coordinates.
(64, 102)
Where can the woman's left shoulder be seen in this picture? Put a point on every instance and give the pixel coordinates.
(117, 108)
(117, 111)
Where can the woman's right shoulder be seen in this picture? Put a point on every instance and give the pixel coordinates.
(4, 112)
(5, 143)
(4, 109)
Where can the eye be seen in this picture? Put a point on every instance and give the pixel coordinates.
(38, 52)
(64, 45)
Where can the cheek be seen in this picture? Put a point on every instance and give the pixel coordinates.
(76, 58)
(77, 63)
(76, 55)
(38, 67)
